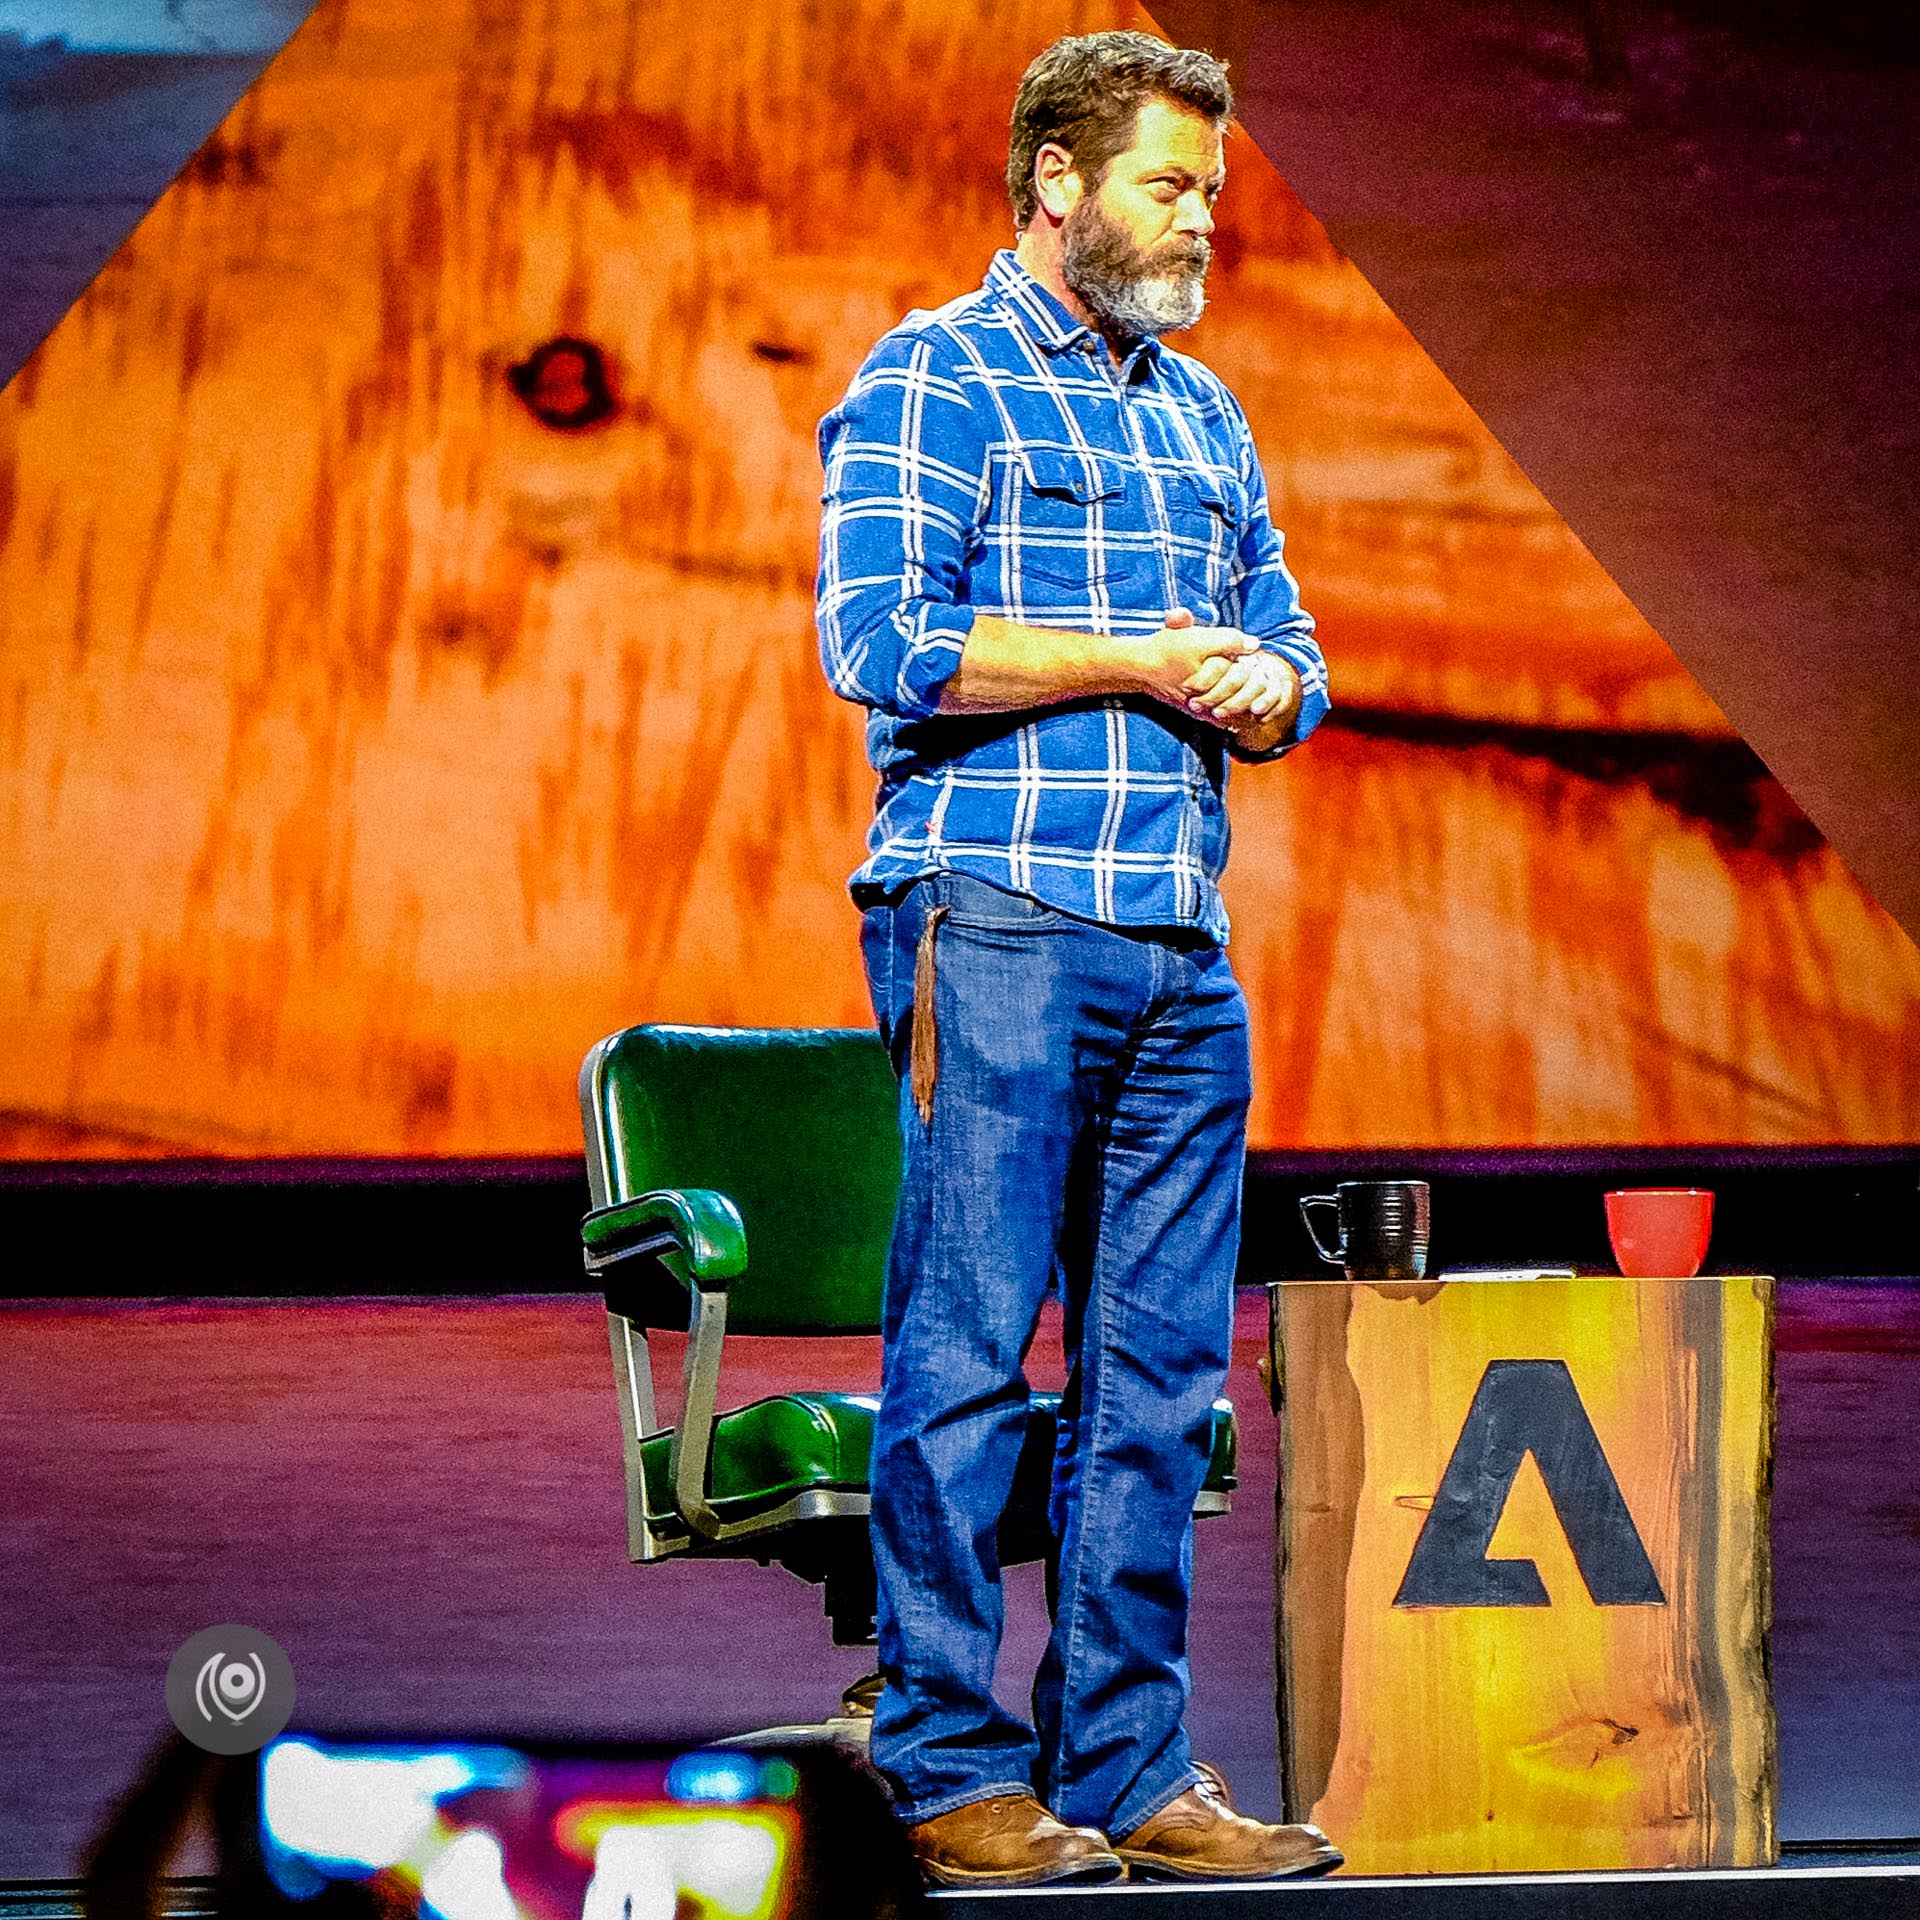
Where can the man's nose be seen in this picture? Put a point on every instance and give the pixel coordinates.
(1193, 215)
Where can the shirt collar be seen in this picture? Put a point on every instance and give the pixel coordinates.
(1049, 322)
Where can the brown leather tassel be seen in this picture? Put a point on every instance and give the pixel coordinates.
(924, 1059)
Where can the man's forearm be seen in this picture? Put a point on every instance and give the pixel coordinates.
(1007, 666)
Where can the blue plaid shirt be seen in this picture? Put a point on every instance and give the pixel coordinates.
(991, 458)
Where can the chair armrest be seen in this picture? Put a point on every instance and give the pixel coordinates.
(698, 1236)
(696, 1233)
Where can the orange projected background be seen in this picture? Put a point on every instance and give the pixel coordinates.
(369, 747)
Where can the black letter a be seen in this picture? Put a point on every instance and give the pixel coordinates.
(1522, 1407)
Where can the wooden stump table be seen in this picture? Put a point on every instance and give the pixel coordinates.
(1523, 1571)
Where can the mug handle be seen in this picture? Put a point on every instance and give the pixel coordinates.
(1307, 1203)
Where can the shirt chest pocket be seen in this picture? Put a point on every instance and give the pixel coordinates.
(1076, 533)
(1208, 512)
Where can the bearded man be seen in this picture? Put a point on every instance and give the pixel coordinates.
(1049, 572)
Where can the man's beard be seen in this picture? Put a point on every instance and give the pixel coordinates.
(1130, 292)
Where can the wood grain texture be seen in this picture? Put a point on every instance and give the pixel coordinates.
(1467, 1738)
(369, 748)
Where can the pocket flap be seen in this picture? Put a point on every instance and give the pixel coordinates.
(1072, 474)
(1213, 492)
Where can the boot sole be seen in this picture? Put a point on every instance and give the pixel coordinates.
(1087, 1870)
(1151, 1866)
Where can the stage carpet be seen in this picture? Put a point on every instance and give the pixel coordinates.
(421, 1501)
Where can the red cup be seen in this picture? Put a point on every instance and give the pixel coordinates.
(1660, 1233)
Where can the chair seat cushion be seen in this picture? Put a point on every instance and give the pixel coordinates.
(770, 1451)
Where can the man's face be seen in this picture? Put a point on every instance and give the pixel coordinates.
(1135, 248)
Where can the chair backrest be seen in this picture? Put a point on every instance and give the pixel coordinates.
(796, 1126)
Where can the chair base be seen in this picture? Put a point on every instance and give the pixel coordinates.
(842, 1731)
(858, 1701)
(852, 1726)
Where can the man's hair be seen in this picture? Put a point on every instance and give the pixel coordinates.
(1085, 94)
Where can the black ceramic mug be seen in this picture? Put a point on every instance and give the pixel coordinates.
(1382, 1225)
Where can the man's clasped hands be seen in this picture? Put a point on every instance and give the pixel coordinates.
(1225, 676)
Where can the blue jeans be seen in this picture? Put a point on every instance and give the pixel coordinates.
(1089, 1119)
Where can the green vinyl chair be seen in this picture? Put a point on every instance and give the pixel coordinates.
(744, 1180)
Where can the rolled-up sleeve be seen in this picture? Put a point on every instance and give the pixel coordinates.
(905, 460)
(1270, 606)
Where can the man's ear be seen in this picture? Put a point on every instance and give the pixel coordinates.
(1056, 183)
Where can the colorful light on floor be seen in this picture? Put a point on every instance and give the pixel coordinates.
(371, 1810)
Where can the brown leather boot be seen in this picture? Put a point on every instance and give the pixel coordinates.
(1200, 1837)
(1009, 1841)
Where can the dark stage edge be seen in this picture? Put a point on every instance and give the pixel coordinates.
(1877, 1880)
(197, 1228)
(1885, 1887)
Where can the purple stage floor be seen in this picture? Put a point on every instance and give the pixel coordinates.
(422, 1503)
